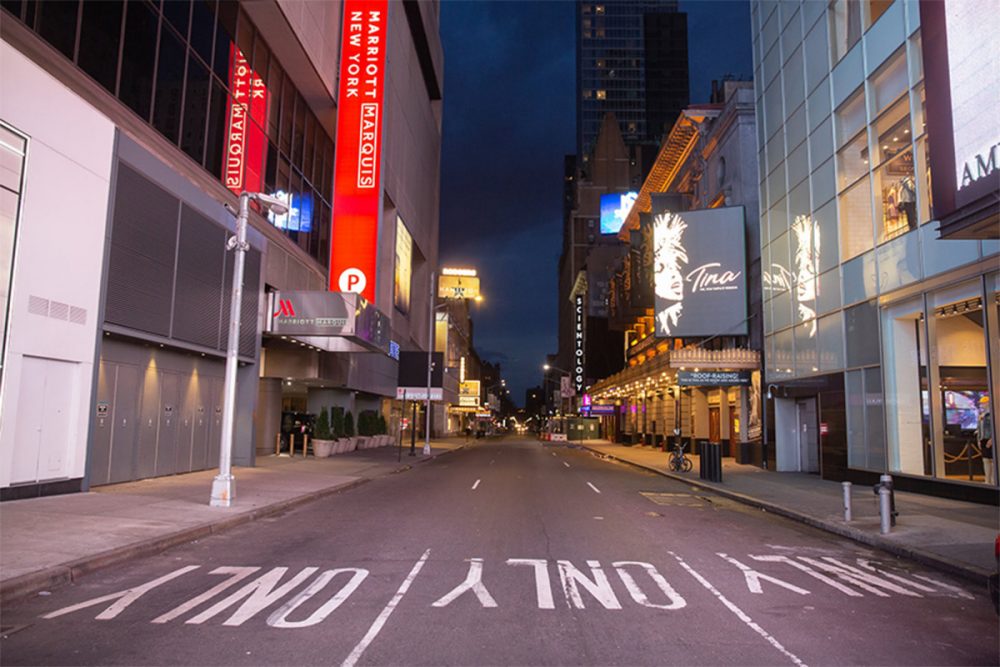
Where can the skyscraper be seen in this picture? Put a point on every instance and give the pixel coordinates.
(631, 60)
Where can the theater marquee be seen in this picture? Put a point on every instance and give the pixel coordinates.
(357, 197)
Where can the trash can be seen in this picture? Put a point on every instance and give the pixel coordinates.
(710, 468)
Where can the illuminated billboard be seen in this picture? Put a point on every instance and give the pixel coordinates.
(960, 55)
(468, 394)
(357, 190)
(699, 272)
(458, 287)
(615, 209)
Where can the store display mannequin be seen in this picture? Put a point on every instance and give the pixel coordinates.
(908, 201)
(984, 435)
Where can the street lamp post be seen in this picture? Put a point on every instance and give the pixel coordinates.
(224, 484)
(430, 361)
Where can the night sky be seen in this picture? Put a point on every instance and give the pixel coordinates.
(509, 118)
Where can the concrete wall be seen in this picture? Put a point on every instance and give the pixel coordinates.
(58, 263)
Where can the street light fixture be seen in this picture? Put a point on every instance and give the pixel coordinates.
(224, 484)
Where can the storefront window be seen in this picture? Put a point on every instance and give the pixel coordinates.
(960, 397)
(13, 148)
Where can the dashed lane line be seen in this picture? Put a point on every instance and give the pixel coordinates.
(475, 485)
(596, 490)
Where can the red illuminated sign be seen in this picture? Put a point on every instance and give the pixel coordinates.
(357, 196)
(245, 141)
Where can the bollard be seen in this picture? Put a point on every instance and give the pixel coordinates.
(885, 509)
(305, 444)
(291, 445)
(277, 444)
(847, 500)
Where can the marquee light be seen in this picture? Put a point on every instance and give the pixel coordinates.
(469, 273)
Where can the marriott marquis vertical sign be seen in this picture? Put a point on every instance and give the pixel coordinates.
(357, 197)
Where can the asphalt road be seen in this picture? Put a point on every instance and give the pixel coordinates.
(511, 553)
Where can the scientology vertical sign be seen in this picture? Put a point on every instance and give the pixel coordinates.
(578, 348)
(699, 272)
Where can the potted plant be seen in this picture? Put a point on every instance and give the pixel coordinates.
(323, 439)
(364, 433)
(337, 429)
(349, 431)
(382, 431)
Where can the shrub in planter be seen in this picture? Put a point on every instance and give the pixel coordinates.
(323, 441)
(349, 433)
(337, 422)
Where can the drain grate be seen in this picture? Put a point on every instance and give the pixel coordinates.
(673, 499)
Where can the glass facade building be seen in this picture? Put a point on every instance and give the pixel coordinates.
(872, 322)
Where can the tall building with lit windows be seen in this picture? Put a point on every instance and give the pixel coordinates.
(879, 238)
(128, 131)
(631, 60)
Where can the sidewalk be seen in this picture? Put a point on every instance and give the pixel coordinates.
(53, 540)
(954, 536)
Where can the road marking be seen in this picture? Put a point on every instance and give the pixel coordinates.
(238, 575)
(565, 464)
(676, 601)
(543, 586)
(596, 490)
(125, 598)
(376, 627)
(753, 577)
(599, 587)
(473, 582)
(740, 614)
(260, 593)
(475, 485)
(279, 619)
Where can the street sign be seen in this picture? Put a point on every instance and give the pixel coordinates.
(419, 393)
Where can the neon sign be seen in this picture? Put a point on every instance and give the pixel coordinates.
(245, 142)
(357, 197)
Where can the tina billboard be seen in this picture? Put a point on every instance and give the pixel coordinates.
(699, 272)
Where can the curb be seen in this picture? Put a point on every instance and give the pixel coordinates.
(968, 573)
(17, 588)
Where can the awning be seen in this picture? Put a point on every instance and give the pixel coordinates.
(331, 321)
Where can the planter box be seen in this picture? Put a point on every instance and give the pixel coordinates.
(323, 448)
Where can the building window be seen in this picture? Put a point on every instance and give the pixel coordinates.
(599, 10)
(894, 182)
(13, 149)
(845, 26)
(403, 267)
(848, 19)
(889, 82)
(855, 219)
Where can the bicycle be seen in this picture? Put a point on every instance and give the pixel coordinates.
(678, 461)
